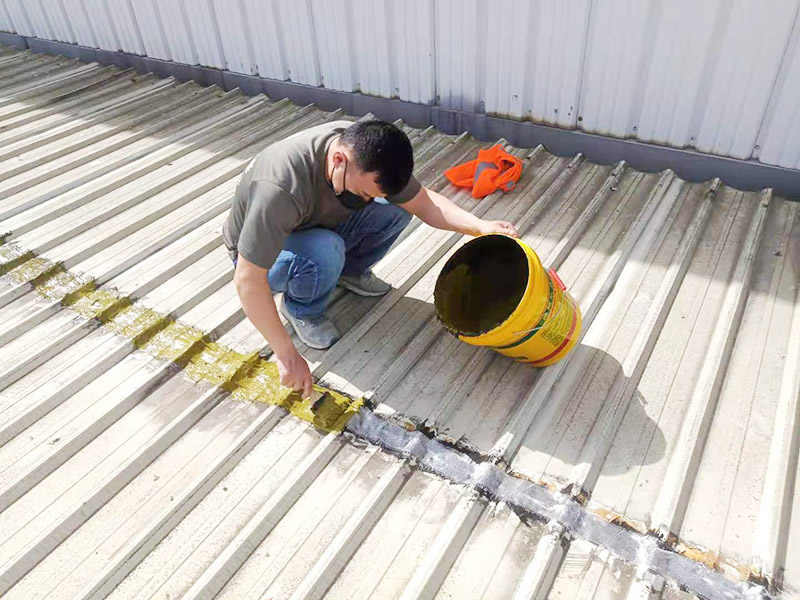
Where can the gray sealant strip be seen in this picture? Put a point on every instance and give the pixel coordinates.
(535, 500)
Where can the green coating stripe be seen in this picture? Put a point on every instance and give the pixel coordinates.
(535, 330)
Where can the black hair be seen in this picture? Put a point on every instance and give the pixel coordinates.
(382, 148)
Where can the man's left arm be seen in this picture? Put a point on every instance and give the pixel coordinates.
(441, 212)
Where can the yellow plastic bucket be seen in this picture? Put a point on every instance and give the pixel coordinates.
(494, 292)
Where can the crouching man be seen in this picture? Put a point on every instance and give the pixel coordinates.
(319, 209)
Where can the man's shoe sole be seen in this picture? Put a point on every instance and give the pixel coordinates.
(290, 320)
(361, 292)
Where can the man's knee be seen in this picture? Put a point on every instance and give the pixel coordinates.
(330, 251)
(317, 263)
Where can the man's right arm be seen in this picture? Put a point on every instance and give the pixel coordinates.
(259, 306)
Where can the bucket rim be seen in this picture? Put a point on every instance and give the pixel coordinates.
(520, 246)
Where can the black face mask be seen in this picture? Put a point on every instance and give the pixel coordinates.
(348, 198)
(351, 200)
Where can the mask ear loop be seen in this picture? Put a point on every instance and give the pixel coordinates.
(344, 178)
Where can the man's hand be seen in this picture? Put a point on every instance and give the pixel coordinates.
(503, 227)
(259, 306)
(294, 373)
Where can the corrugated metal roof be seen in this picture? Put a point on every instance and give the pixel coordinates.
(124, 474)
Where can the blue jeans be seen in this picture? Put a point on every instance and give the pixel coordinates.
(308, 267)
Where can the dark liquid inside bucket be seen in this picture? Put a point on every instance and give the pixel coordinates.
(481, 285)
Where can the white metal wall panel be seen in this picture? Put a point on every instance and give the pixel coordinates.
(203, 28)
(125, 25)
(460, 56)
(535, 72)
(719, 75)
(19, 16)
(80, 23)
(54, 11)
(370, 34)
(511, 57)
(235, 37)
(38, 19)
(413, 48)
(98, 12)
(552, 91)
(300, 47)
(176, 31)
(778, 141)
(745, 73)
(151, 28)
(683, 59)
(41, 19)
(617, 56)
(335, 42)
(262, 19)
(6, 22)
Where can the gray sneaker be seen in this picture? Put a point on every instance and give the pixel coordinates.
(319, 332)
(367, 284)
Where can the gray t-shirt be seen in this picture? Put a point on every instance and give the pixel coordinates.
(283, 189)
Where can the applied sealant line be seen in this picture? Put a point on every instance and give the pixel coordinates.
(535, 500)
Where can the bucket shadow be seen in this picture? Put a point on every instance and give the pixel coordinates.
(593, 412)
(467, 395)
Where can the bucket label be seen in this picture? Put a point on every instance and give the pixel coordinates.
(558, 325)
(551, 334)
(560, 330)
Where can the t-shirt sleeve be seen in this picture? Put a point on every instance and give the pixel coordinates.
(271, 216)
(412, 189)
